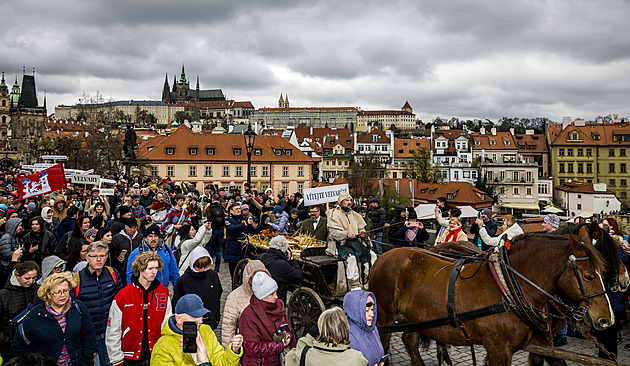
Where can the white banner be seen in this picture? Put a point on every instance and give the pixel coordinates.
(54, 157)
(319, 195)
(85, 179)
(110, 181)
(106, 191)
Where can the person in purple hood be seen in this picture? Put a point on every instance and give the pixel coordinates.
(360, 308)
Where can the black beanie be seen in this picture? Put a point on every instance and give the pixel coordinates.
(153, 229)
(184, 230)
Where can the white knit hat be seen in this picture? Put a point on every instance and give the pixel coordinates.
(263, 285)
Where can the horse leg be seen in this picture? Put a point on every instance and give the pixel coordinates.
(498, 355)
(444, 354)
(412, 341)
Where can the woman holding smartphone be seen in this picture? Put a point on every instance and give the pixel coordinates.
(412, 233)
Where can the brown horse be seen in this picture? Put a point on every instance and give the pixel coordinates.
(412, 285)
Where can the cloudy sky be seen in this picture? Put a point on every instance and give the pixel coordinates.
(482, 59)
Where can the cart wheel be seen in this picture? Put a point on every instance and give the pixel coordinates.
(237, 280)
(304, 307)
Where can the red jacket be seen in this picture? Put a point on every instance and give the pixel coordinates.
(124, 326)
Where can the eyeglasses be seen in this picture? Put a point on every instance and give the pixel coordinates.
(96, 256)
(60, 268)
(60, 292)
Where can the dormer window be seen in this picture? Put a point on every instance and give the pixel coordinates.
(287, 152)
(278, 152)
(506, 142)
(210, 151)
(236, 151)
(258, 152)
(170, 150)
(192, 151)
(375, 138)
(492, 142)
(450, 196)
(477, 142)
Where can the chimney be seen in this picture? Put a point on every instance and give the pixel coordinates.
(311, 130)
(600, 121)
(494, 131)
(482, 130)
(580, 122)
(529, 132)
(566, 121)
(512, 131)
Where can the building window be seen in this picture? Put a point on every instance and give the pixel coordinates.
(589, 152)
(569, 152)
(515, 176)
(287, 152)
(285, 188)
(239, 171)
(529, 176)
(285, 171)
(502, 190)
(580, 167)
(579, 196)
(192, 171)
(456, 175)
(622, 168)
(265, 171)
(154, 170)
(611, 183)
(394, 175)
(334, 162)
(622, 152)
(300, 171)
(580, 152)
(611, 152)
(569, 167)
(278, 152)
(623, 195)
(257, 152)
(253, 171)
(589, 167)
(236, 151)
(226, 171)
(207, 171)
(170, 171)
(516, 191)
(560, 152)
(622, 182)
(561, 168)
(529, 191)
(170, 150)
(579, 206)
(611, 167)
(543, 188)
(210, 151)
(300, 188)
(192, 151)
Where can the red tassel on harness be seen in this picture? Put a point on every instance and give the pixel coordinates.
(508, 244)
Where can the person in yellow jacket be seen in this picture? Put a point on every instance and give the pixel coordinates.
(168, 349)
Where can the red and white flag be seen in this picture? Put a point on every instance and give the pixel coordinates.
(45, 181)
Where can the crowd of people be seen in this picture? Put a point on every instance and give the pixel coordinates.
(111, 280)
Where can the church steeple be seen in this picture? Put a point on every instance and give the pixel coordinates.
(281, 102)
(182, 78)
(3, 85)
(166, 90)
(45, 109)
(174, 82)
(286, 101)
(196, 110)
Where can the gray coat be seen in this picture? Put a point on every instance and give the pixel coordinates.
(8, 242)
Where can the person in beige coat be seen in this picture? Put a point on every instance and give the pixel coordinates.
(238, 300)
(330, 347)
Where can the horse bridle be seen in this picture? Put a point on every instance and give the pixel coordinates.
(579, 312)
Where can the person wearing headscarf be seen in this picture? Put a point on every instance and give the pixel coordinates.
(264, 325)
(49, 220)
(200, 279)
(360, 307)
(188, 239)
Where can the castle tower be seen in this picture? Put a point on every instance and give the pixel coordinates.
(5, 109)
(286, 101)
(407, 107)
(166, 91)
(281, 102)
(182, 87)
(27, 120)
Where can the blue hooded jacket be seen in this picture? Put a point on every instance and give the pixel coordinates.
(363, 338)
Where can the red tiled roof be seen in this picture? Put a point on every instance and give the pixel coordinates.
(246, 104)
(406, 105)
(531, 143)
(463, 193)
(403, 148)
(319, 133)
(580, 187)
(502, 141)
(367, 138)
(449, 134)
(384, 112)
(223, 144)
(591, 134)
(296, 109)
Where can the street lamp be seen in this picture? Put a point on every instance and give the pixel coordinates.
(250, 137)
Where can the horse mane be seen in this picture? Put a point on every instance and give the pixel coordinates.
(529, 239)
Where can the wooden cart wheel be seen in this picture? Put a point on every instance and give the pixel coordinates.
(237, 280)
(304, 307)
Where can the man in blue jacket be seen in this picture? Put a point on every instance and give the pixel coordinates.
(153, 242)
(97, 285)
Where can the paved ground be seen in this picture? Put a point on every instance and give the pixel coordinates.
(461, 355)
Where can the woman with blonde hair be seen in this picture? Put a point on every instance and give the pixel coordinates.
(59, 328)
(330, 347)
(510, 228)
(454, 232)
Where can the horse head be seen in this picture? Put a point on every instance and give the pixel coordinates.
(581, 283)
(615, 274)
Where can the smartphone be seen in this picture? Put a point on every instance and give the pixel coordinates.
(383, 358)
(190, 337)
(283, 328)
(478, 214)
(123, 252)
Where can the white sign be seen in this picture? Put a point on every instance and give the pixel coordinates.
(106, 191)
(319, 195)
(85, 179)
(110, 181)
(54, 157)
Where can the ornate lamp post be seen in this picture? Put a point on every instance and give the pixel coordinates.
(250, 137)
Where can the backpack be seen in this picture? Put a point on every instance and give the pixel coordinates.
(217, 216)
(77, 278)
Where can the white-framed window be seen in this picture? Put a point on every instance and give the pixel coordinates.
(226, 170)
(529, 191)
(300, 171)
(300, 188)
(252, 172)
(170, 171)
(192, 151)
(236, 151)
(239, 171)
(154, 170)
(192, 170)
(210, 151)
(287, 152)
(278, 152)
(285, 171)
(257, 151)
(455, 175)
(265, 171)
(516, 191)
(208, 171)
(170, 150)
(285, 188)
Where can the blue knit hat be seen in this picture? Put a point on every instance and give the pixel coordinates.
(276, 210)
